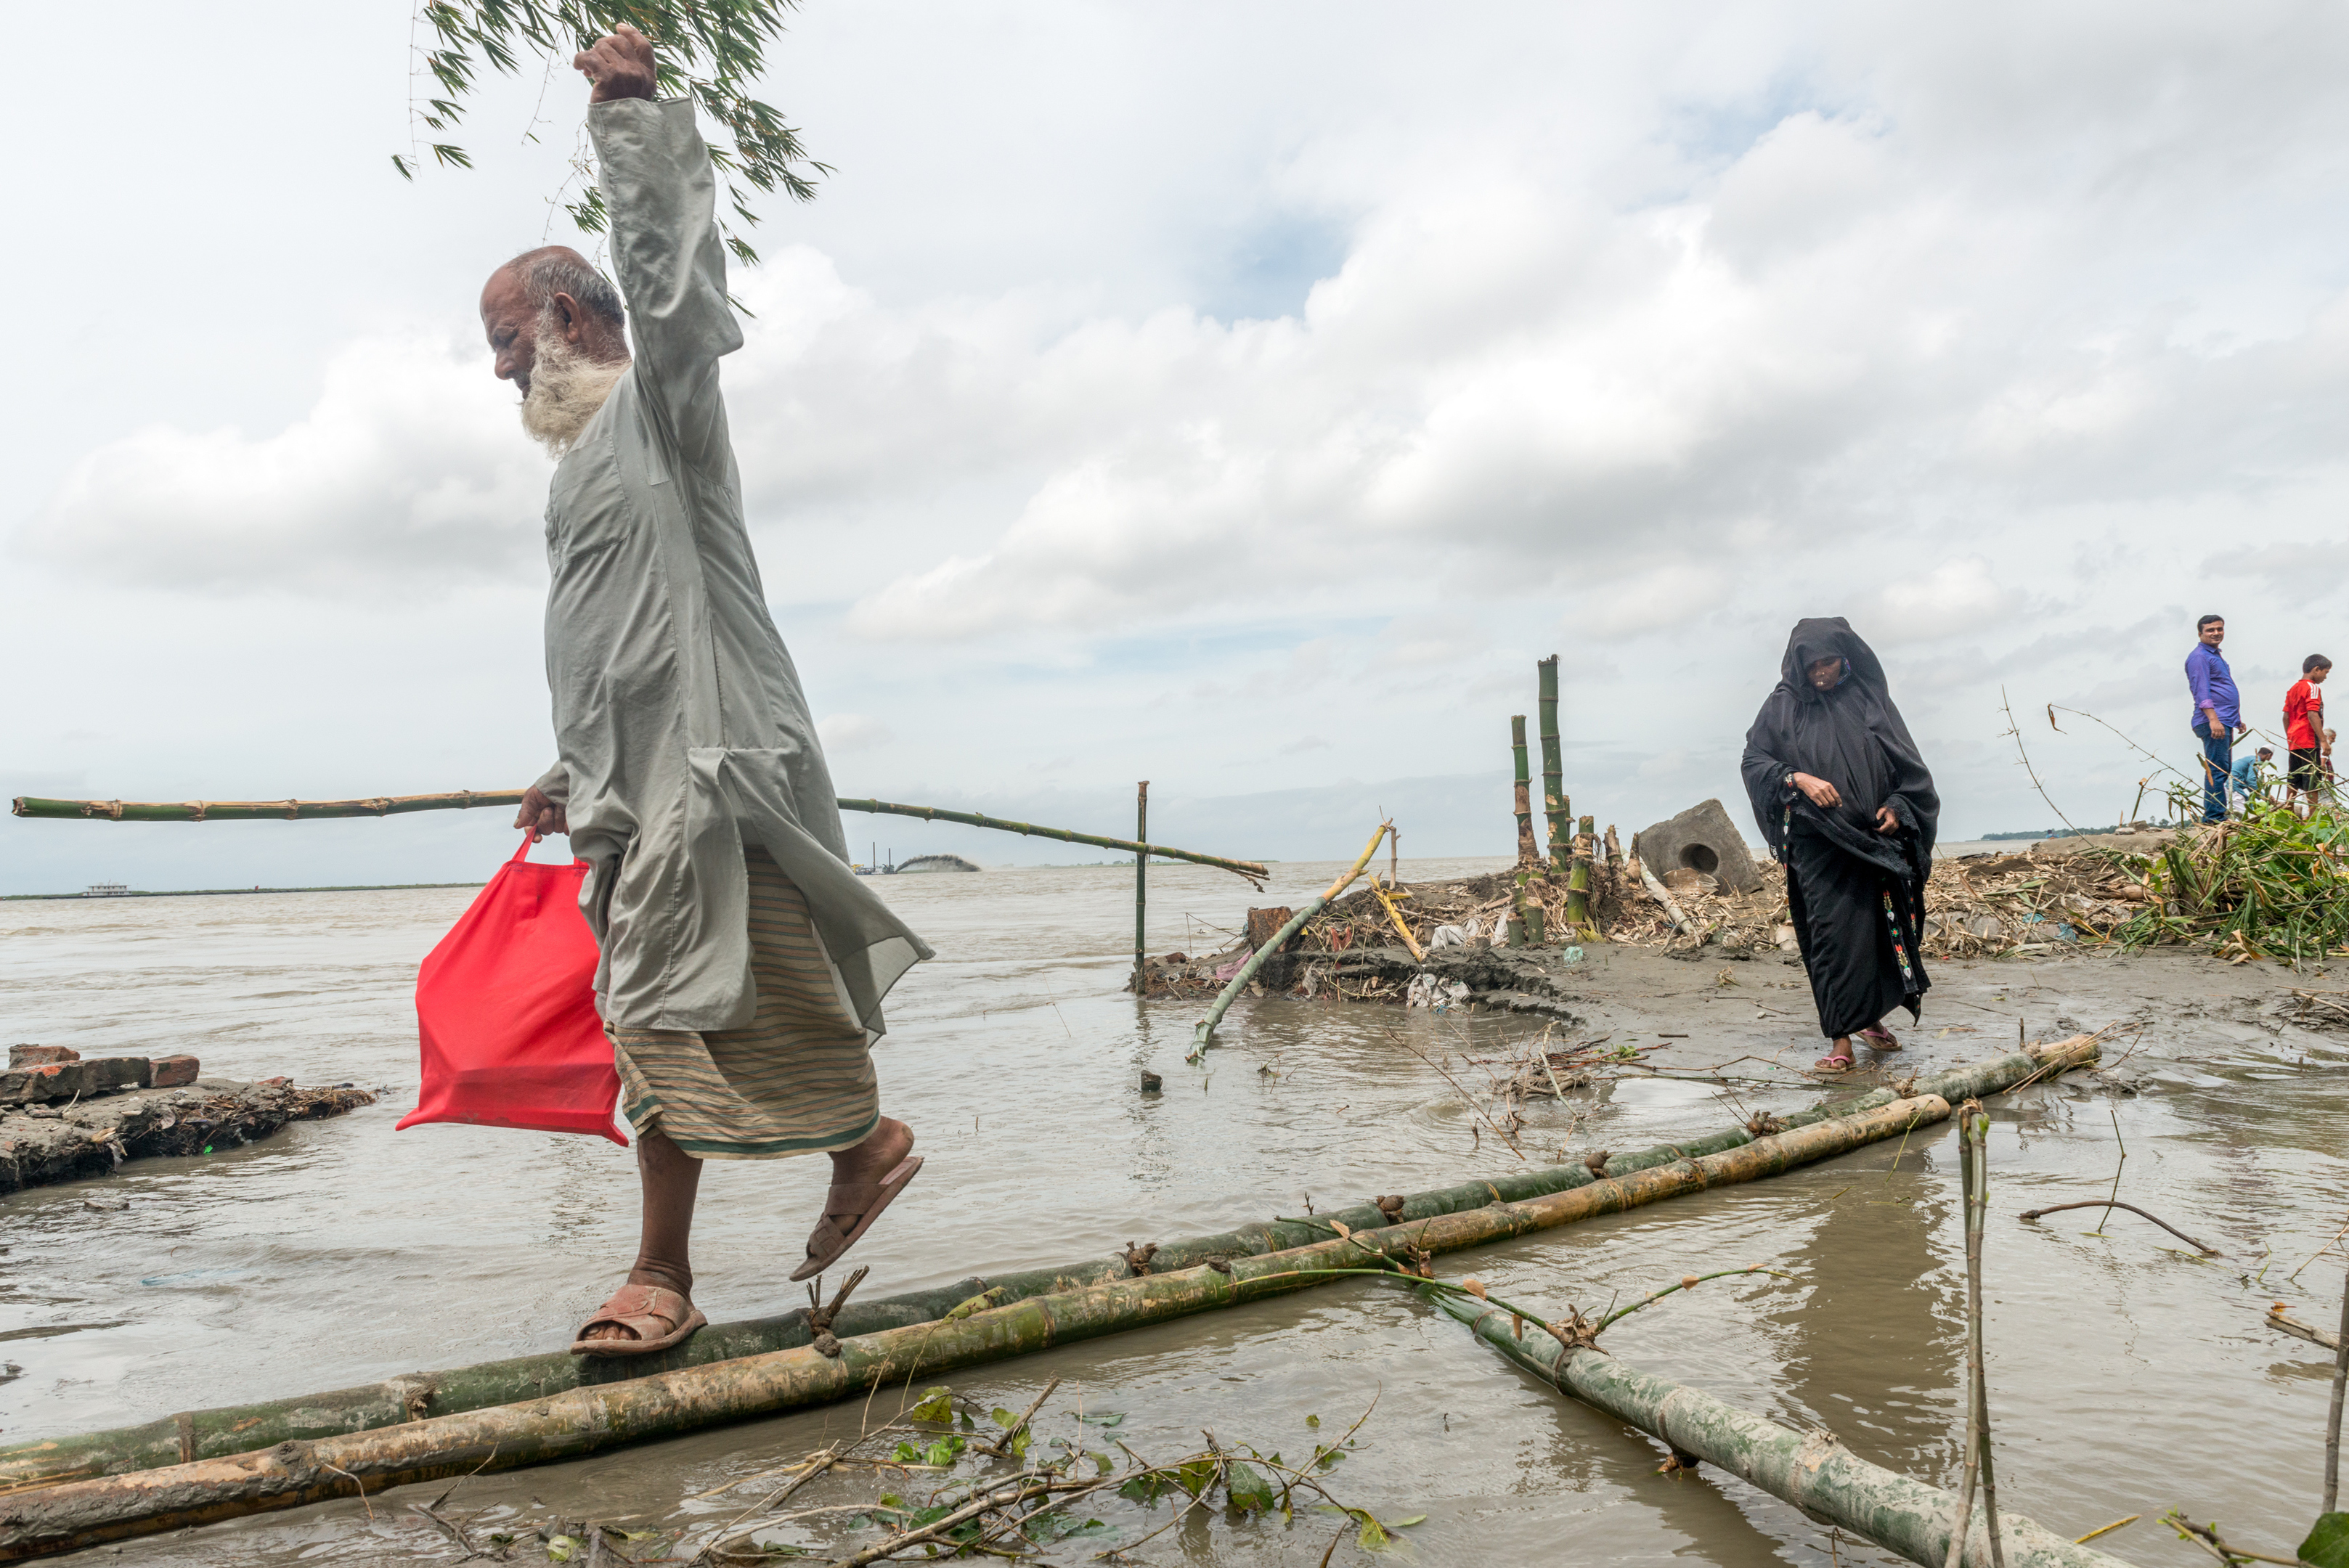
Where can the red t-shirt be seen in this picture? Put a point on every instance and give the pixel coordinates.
(2303, 716)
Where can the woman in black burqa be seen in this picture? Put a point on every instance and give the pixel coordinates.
(1848, 806)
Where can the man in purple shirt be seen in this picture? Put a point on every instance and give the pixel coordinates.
(2218, 715)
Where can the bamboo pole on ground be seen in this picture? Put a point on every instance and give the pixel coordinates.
(232, 1430)
(1973, 1171)
(1554, 801)
(75, 1514)
(1529, 850)
(1814, 1472)
(1205, 1035)
(1140, 884)
(395, 805)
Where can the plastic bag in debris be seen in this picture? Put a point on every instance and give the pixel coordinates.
(1448, 936)
(1433, 991)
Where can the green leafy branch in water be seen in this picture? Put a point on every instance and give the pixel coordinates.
(709, 50)
(986, 1511)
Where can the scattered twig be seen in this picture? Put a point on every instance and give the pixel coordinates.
(2108, 1204)
(1001, 1447)
(1973, 1166)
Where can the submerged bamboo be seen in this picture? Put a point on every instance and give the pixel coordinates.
(1815, 1472)
(71, 1515)
(1206, 1033)
(394, 805)
(237, 1428)
(1529, 850)
(1553, 802)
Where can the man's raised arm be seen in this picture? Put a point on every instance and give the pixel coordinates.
(657, 184)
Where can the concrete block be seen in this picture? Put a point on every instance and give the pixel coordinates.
(171, 1072)
(1701, 839)
(63, 1080)
(41, 1056)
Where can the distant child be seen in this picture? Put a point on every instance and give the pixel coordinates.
(2304, 734)
(2250, 775)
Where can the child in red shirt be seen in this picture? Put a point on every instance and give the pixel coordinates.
(2304, 732)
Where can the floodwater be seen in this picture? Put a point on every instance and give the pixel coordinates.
(2127, 1375)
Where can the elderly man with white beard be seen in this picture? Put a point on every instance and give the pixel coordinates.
(742, 962)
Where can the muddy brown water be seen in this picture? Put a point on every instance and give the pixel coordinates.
(2128, 1375)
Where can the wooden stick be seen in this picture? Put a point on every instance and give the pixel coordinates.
(1141, 882)
(395, 805)
(229, 1431)
(41, 1520)
(2108, 1204)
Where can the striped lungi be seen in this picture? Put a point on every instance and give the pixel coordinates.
(798, 1080)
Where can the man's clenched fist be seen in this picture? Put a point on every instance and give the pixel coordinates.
(541, 815)
(620, 65)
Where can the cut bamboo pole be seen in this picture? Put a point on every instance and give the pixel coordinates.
(394, 805)
(232, 1430)
(1205, 1034)
(1553, 802)
(1529, 848)
(1140, 884)
(76, 1514)
(1577, 885)
(1814, 1472)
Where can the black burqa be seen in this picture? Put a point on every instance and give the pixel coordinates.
(1858, 895)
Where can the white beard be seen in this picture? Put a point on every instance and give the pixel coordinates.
(567, 389)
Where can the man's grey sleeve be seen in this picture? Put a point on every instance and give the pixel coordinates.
(555, 784)
(655, 172)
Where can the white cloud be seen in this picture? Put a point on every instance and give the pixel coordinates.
(850, 732)
(411, 464)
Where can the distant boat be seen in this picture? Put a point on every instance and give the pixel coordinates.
(936, 863)
(877, 867)
(118, 890)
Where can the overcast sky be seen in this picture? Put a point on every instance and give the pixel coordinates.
(1240, 397)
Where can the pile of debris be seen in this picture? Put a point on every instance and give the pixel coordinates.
(62, 1117)
(1689, 887)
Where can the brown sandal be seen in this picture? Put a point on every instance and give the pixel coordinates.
(864, 1199)
(658, 1317)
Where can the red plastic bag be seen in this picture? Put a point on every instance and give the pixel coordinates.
(506, 1005)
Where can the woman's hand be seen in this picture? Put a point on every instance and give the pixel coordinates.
(1819, 792)
(1886, 822)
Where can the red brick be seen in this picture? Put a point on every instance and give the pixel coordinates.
(171, 1072)
(41, 1056)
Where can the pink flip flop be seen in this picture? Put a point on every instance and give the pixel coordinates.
(865, 1200)
(1833, 1065)
(1879, 1038)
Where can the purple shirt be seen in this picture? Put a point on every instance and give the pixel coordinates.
(2213, 686)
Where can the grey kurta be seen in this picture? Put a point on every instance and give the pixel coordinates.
(681, 731)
